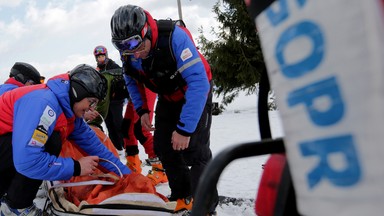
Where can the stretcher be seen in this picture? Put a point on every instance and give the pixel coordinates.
(104, 193)
(133, 203)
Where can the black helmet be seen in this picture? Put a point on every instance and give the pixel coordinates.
(128, 21)
(86, 82)
(24, 72)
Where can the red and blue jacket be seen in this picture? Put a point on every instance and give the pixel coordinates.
(189, 77)
(10, 84)
(31, 114)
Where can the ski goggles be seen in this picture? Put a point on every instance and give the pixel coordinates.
(139, 50)
(99, 51)
(128, 45)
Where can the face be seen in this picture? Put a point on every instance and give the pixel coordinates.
(100, 59)
(79, 108)
(29, 82)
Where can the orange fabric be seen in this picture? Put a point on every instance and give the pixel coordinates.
(95, 194)
(70, 149)
(105, 140)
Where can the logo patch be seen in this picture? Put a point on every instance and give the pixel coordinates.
(40, 135)
(186, 54)
(48, 117)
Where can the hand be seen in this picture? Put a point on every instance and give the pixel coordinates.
(90, 115)
(146, 123)
(179, 142)
(88, 164)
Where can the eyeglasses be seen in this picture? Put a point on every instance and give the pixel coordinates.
(92, 103)
(128, 45)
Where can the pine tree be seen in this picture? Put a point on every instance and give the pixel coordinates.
(235, 56)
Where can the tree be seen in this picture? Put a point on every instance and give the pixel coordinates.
(235, 56)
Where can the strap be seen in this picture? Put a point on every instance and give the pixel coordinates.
(93, 182)
(82, 183)
(118, 206)
(118, 169)
(165, 26)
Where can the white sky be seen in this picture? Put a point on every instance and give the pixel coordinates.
(56, 35)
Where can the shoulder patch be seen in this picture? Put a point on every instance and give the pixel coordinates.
(48, 117)
(40, 135)
(186, 54)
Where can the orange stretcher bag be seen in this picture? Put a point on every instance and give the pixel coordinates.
(104, 193)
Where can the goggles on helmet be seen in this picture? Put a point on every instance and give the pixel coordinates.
(99, 51)
(128, 45)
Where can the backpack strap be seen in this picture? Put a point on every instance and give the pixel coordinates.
(165, 28)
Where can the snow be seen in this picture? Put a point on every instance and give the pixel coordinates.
(239, 124)
(240, 179)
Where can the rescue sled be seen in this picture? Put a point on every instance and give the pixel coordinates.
(104, 193)
(120, 204)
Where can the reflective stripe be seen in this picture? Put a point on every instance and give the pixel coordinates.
(189, 64)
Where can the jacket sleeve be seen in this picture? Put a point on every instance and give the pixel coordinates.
(87, 140)
(192, 70)
(136, 95)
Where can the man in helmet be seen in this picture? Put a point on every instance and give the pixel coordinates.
(21, 74)
(35, 121)
(164, 59)
(112, 107)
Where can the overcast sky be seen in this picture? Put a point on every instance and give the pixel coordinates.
(56, 35)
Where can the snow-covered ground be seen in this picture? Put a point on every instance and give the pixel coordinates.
(240, 179)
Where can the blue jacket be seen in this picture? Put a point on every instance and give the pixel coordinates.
(31, 113)
(10, 84)
(191, 66)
